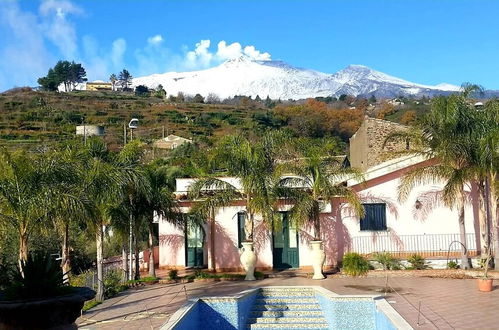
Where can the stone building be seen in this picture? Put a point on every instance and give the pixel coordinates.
(366, 145)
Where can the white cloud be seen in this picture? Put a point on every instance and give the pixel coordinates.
(117, 52)
(58, 28)
(155, 40)
(256, 54)
(201, 57)
(23, 53)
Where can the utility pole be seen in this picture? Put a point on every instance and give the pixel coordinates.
(84, 134)
(124, 134)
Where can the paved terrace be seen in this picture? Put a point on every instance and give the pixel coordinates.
(445, 303)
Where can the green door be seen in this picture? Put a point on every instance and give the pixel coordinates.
(194, 245)
(285, 244)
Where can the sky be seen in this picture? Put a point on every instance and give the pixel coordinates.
(424, 41)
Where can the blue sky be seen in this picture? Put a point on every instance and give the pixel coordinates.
(423, 41)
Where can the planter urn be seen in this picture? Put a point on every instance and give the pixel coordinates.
(484, 284)
(248, 260)
(45, 313)
(318, 258)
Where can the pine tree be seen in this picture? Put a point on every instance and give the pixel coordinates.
(125, 80)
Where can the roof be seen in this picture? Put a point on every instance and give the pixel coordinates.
(170, 141)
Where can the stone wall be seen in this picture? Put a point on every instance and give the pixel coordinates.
(366, 145)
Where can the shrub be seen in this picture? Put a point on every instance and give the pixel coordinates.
(112, 283)
(417, 262)
(386, 260)
(452, 265)
(42, 278)
(354, 264)
(173, 274)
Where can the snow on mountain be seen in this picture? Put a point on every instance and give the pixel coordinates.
(279, 80)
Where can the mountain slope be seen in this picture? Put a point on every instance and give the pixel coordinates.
(242, 76)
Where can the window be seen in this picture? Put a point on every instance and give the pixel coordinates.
(374, 218)
(241, 234)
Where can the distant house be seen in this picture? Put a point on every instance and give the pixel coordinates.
(99, 85)
(90, 130)
(170, 142)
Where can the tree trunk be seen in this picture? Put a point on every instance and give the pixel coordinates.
(130, 247)
(465, 262)
(317, 228)
(65, 260)
(23, 249)
(483, 219)
(99, 240)
(124, 262)
(137, 261)
(152, 271)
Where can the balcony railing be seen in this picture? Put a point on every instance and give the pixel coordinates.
(404, 245)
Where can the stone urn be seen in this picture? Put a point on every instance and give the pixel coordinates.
(318, 258)
(248, 260)
(45, 313)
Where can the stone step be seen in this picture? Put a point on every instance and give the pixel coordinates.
(286, 294)
(288, 289)
(288, 300)
(285, 307)
(288, 320)
(286, 313)
(318, 326)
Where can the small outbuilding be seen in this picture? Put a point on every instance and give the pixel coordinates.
(170, 142)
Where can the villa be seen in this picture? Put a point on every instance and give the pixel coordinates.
(419, 224)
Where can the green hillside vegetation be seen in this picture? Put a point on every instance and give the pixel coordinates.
(33, 118)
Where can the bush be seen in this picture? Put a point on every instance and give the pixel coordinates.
(112, 283)
(452, 265)
(354, 264)
(417, 262)
(173, 274)
(386, 260)
(42, 278)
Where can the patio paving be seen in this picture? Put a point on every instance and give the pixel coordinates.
(444, 303)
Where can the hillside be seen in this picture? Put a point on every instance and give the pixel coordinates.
(34, 119)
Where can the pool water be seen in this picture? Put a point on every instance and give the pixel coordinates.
(285, 307)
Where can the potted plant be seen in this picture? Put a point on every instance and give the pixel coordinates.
(38, 298)
(485, 283)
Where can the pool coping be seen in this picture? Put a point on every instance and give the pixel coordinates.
(381, 304)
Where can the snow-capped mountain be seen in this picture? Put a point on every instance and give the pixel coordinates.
(279, 80)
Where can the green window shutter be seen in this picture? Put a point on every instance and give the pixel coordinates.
(241, 234)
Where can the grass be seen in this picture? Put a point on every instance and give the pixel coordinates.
(90, 304)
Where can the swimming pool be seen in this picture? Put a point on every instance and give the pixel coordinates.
(287, 307)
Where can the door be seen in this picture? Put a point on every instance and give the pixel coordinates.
(285, 244)
(194, 245)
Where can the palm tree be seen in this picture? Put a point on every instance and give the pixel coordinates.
(72, 204)
(33, 188)
(105, 182)
(113, 79)
(160, 202)
(447, 133)
(487, 163)
(254, 164)
(316, 177)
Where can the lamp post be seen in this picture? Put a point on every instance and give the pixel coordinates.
(133, 124)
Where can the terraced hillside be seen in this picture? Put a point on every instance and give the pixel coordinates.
(30, 118)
